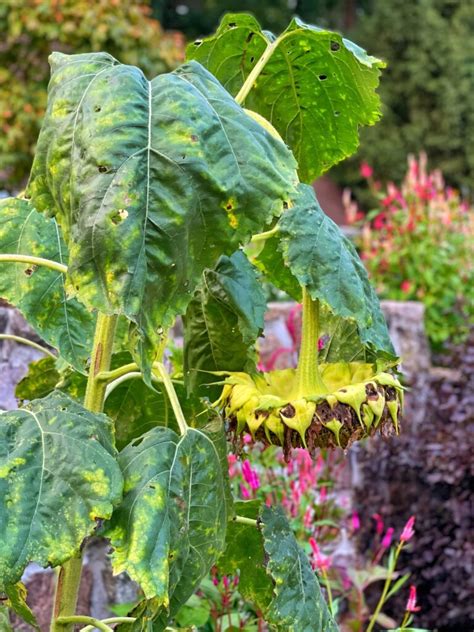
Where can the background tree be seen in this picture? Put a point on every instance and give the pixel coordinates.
(426, 91)
(32, 29)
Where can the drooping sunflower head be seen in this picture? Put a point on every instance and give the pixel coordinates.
(358, 403)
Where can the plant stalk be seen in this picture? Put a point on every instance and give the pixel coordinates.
(69, 577)
(386, 587)
(30, 343)
(35, 261)
(308, 376)
(174, 401)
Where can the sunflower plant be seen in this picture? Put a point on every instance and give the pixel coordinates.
(154, 199)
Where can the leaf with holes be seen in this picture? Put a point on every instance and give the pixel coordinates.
(316, 88)
(170, 527)
(223, 321)
(58, 475)
(297, 605)
(176, 175)
(38, 292)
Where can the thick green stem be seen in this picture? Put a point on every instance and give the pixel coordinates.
(309, 378)
(69, 577)
(35, 261)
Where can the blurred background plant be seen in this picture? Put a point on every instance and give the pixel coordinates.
(426, 90)
(32, 29)
(418, 244)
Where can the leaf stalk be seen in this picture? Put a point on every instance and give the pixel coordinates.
(257, 69)
(29, 343)
(35, 261)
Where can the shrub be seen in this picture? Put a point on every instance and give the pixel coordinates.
(418, 245)
(32, 29)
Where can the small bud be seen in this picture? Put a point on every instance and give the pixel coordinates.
(408, 531)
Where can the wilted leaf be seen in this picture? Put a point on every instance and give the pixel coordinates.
(223, 321)
(58, 475)
(316, 88)
(328, 266)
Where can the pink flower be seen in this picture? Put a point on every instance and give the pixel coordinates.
(387, 538)
(250, 475)
(355, 521)
(411, 603)
(245, 492)
(322, 562)
(323, 494)
(308, 517)
(366, 170)
(379, 221)
(247, 438)
(405, 286)
(226, 582)
(378, 523)
(408, 531)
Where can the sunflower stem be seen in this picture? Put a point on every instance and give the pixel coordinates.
(309, 378)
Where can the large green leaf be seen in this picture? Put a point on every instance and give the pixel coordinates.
(298, 605)
(244, 553)
(170, 527)
(223, 321)
(328, 266)
(151, 182)
(38, 291)
(58, 475)
(316, 87)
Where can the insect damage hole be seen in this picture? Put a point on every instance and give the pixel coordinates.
(119, 216)
(335, 46)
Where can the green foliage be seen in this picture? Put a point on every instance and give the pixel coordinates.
(32, 29)
(303, 88)
(50, 451)
(245, 554)
(223, 321)
(298, 605)
(426, 91)
(155, 179)
(170, 527)
(63, 322)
